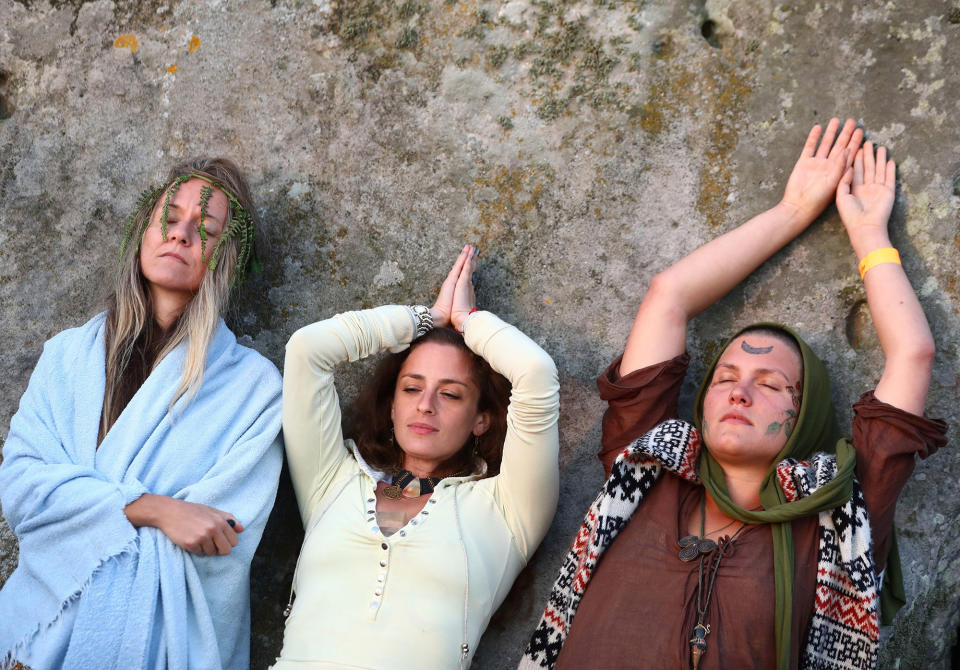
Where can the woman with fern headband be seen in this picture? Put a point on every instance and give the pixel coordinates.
(142, 464)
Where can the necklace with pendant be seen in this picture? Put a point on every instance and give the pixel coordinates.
(691, 547)
(404, 484)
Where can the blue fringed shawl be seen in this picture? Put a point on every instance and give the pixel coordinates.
(92, 591)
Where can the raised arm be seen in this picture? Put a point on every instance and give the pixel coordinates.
(312, 433)
(528, 484)
(688, 287)
(865, 199)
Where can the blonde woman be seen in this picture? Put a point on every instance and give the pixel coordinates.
(141, 466)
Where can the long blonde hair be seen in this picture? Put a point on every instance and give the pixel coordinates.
(130, 310)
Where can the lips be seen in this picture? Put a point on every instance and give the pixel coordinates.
(171, 254)
(733, 417)
(421, 428)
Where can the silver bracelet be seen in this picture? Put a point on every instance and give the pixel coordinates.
(424, 320)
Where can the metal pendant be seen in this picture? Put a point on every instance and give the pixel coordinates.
(698, 644)
(691, 547)
(393, 492)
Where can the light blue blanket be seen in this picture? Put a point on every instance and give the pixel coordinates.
(92, 591)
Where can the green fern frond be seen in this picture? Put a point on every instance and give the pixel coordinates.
(145, 200)
(205, 194)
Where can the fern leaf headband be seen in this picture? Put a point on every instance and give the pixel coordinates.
(240, 225)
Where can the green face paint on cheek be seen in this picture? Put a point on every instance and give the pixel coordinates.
(787, 424)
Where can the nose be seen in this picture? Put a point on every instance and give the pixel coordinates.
(426, 405)
(179, 231)
(739, 395)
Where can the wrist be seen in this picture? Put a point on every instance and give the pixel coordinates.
(794, 215)
(459, 320)
(144, 511)
(863, 242)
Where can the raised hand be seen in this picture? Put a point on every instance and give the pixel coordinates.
(814, 179)
(464, 298)
(865, 198)
(441, 309)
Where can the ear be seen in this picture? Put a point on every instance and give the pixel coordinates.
(482, 424)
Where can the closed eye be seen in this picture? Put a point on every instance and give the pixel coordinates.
(451, 396)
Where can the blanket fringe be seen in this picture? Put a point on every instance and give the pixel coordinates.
(9, 659)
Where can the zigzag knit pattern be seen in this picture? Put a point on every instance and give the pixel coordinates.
(845, 626)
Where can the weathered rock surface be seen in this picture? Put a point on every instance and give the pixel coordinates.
(584, 145)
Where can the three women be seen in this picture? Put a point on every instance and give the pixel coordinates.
(758, 542)
(142, 464)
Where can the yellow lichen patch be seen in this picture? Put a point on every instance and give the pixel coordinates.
(505, 198)
(173, 68)
(127, 41)
(194, 44)
(716, 88)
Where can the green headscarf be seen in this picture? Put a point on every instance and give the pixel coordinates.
(815, 430)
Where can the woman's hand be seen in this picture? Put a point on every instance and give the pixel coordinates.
(456, 290)
(196, 528)
(814, 179)
(865, 199)
(464, 298)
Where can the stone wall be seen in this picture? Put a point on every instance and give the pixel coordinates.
(584, 145)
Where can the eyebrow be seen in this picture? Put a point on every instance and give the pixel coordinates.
(758, 371)
(418, 377)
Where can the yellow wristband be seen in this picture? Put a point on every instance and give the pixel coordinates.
(878, 256)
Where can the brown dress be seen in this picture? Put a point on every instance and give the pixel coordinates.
(640, 607)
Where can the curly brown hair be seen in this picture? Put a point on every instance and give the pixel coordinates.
(368, 419)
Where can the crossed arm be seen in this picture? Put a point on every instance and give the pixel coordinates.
(863, 186)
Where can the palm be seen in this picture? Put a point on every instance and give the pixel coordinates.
(813, 182)
(817, 172)
(866, 193)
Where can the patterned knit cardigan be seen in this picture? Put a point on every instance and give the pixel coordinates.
(844, 629)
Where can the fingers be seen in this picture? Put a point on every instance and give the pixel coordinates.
(858, 168)
(881, 167)
(811, 144)
(890, 178)
(869, 163)
(828, 137)
(843, 139)
(854, 145)
(465, 280)
(457, 268)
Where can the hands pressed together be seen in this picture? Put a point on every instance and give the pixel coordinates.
(457, 298)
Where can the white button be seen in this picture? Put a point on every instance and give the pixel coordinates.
(414, 522)
(403, 533)
(383, 564)
(378, 593)
(432, 501)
